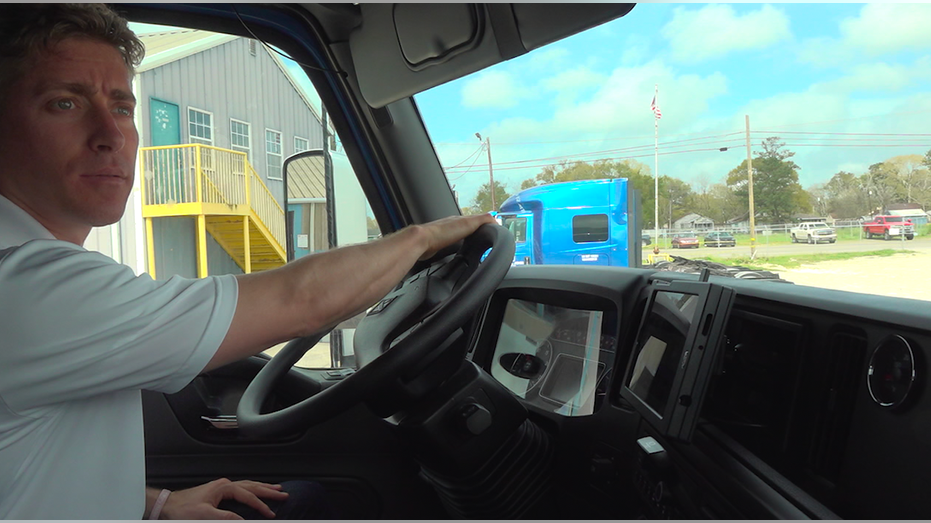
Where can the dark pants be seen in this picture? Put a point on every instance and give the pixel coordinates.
(306, 500)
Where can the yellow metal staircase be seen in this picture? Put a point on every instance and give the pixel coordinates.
(227, 198)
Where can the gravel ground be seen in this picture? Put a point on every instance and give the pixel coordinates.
(901, 275)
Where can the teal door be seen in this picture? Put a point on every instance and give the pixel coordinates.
(167, 185)
(166, 122)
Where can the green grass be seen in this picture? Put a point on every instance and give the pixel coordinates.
(793, 261)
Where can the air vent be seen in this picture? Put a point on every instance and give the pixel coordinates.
(843, 374)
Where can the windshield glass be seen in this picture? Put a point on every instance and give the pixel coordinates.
(832, 98)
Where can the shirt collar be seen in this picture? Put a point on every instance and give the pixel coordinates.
(18, 227)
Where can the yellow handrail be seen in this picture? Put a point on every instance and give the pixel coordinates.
(196, 173)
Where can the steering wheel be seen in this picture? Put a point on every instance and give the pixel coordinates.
(394, 336)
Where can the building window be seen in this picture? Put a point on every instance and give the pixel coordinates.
(301, 145)
(273, 154)
(588, 228)
(240, 136)
(200, 126)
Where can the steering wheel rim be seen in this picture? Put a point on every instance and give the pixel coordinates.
(402, 329)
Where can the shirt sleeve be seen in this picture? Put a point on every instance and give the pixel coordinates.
(76, 324)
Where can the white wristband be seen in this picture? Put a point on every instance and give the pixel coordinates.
(159, 503)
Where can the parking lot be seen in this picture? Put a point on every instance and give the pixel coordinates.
(902, 275)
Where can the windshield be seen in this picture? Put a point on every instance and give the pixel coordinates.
(832, 98)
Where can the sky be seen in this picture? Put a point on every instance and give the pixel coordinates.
(844, 85)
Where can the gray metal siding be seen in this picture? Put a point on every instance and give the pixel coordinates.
(231, 83)
(175, 247)
(218, 261)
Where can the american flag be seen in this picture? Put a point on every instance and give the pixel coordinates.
(656, 112)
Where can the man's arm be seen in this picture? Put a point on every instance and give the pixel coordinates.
(315, 292)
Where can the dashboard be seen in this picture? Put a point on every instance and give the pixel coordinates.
(814, 407)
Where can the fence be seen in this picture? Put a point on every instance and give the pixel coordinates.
(776, 233)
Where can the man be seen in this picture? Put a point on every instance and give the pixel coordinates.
(81, 334)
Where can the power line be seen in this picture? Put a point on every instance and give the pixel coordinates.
(476, 152)
(839, 134)
(596, 139)
(625, 157)
(477, 156)
(582, 155)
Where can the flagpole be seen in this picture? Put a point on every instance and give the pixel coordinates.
(656, 167)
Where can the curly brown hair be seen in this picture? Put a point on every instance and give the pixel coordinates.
(28, 29)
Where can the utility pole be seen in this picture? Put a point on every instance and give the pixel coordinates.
(491, 173)
(655, 163)
(750, 187)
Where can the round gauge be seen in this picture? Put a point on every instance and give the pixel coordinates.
(892, 372)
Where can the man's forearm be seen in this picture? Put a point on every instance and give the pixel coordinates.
(314, 292)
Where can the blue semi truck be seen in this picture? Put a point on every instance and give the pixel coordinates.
(585, 222)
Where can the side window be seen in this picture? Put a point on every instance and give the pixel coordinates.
(518, 227)
(301, 144)
(200, 126)
(241, 195)
(589, 228)
(241, 137)
(273, 154)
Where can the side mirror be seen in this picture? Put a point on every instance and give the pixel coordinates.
(309, 203)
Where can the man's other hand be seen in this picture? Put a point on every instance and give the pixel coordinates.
(201, 502)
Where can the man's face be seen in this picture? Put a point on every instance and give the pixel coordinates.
(68, 140)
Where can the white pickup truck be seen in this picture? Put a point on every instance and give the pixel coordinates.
(813, 232)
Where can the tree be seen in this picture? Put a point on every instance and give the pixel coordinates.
(777, 193)
(846, 197)
(675, 198)
(911, 177)
(482, 201)
(880, 183)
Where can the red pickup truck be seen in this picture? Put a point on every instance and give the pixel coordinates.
(889, 227)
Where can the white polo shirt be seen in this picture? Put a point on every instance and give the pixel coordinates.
(80, 337)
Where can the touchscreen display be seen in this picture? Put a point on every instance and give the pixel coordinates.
(659, 347)
(553, 357)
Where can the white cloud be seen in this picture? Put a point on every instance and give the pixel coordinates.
(878, 29)
(879, 77)
(887, 28)
(571, 84)
(717, 30)
(492, 90)
(825, 52)
(548, 58)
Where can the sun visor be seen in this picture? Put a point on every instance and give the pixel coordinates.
(453, 29)
(402, 49)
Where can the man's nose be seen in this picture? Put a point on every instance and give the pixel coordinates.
(106, 134)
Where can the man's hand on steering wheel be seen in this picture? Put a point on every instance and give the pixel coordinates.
(446, 231)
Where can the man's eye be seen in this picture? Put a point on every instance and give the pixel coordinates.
(65, 104)
(125, 111)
